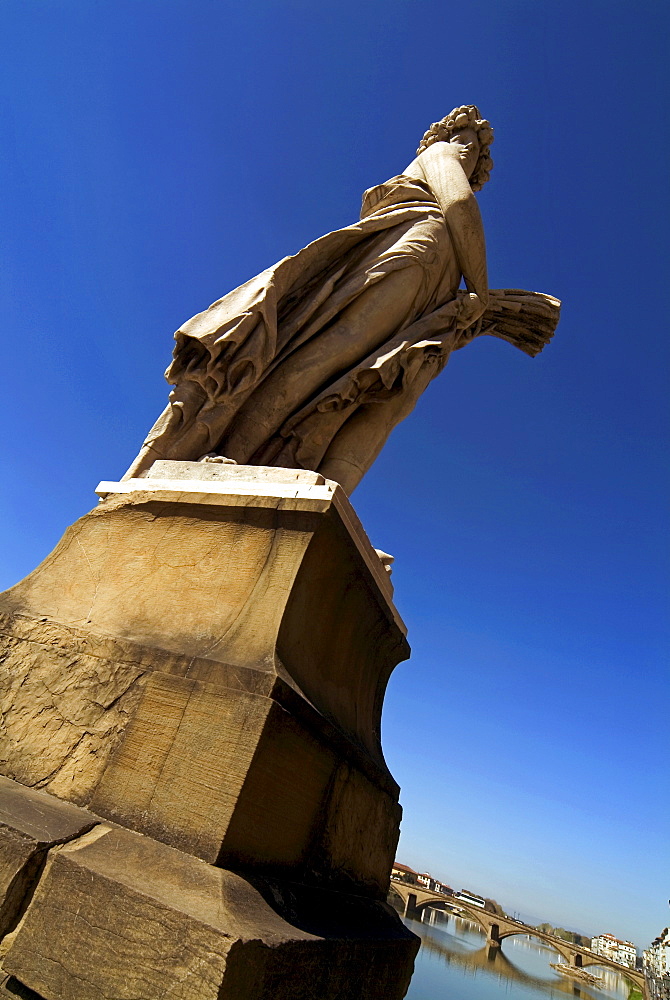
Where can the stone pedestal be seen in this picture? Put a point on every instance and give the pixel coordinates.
(196, 673)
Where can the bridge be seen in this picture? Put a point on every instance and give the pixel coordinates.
(492, 960)
(416, 899)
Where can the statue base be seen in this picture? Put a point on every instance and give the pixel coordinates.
(193, 686)
(111, 913)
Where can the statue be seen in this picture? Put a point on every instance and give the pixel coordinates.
(312, 363)
(190, 647)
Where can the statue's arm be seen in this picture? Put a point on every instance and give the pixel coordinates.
(442, 170)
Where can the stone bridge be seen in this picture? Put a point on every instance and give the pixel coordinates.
(491, 959)
(416, 899)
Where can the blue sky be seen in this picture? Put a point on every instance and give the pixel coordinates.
(157, 154)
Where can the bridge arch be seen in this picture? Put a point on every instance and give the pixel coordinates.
(561, 948)
(495, 928)
(635, 976)
(448, 905)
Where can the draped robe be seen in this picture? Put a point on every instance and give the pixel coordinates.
(224, 355)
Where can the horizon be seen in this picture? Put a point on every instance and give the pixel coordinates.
(158, 155)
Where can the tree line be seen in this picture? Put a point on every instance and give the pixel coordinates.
(572, 937)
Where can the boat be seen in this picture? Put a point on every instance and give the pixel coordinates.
(575, 973)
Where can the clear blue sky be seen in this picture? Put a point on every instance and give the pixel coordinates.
(157, 153)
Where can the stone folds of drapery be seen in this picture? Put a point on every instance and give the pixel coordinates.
(225, 355)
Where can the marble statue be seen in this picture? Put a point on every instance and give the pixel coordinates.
(312, 363)
(208, 632)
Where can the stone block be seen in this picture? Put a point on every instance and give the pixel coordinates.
(218, 471)
(118, 915)
(213, 772)
(185, 767)
(30, 823)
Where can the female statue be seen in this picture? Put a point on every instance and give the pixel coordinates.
(313, 362)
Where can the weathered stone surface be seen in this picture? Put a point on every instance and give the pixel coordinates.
(65, 698)
(137, 919)
(190, 743)
(223, 556)
(189, 648)
(30, 823)
(245, 807)
(12, 989)
(213, 471)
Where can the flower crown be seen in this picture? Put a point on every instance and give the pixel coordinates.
(467, 116)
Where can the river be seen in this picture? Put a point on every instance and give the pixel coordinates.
(454, 963)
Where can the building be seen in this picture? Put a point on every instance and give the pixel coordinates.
(622, 952)
(404, 873)
(656, 961)
(627, 954)
(434, 884)
(442, 887)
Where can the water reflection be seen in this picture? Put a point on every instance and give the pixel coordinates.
(455, 963)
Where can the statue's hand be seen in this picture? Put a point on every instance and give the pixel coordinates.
(461, 151)
(469, 308)
(453, 148)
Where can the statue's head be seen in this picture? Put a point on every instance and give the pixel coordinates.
(465, 125)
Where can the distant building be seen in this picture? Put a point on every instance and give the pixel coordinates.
(404, 873)
(622, 952)
(656, 961)
(628, 954)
